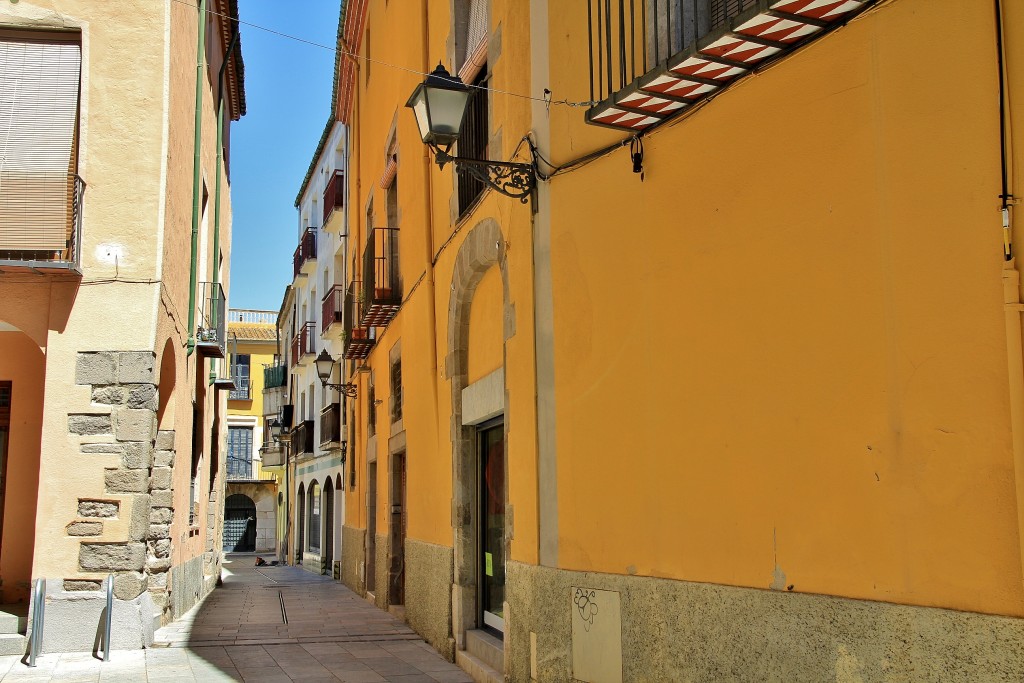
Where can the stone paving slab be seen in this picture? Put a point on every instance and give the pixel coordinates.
(239, 633)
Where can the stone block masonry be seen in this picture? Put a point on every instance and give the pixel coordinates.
(125, 398)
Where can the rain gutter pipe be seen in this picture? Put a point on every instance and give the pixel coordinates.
(196, 178)
(216, 194)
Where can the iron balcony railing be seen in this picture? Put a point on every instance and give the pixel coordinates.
(211, 332)
(302, 438)
(41, 221)
(628, 38)
(334, 195)
(304, 342)
(274, 375)
(358, 339)
(333, 306)
(382, 279)
(331, 427)
(306, 251)
(242, 392)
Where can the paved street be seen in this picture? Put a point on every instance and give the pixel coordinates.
(265, 624)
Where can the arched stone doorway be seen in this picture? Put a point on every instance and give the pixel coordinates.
(22, 380)
(239, 524)
(483, 249)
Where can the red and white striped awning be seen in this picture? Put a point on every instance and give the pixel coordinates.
(699, 72)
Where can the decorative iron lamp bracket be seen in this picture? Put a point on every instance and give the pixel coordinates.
(348, 389)
(509, 178)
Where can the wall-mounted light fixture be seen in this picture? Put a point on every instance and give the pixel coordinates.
(324, 370)
(439, 104)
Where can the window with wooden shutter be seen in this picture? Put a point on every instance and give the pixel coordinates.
(39, 93)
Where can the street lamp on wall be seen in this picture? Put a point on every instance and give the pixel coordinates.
(275, 430)
(324, 370)
(439, 104)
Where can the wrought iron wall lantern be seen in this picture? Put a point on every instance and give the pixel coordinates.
(439, 104)
(324, 370)
(275, 430)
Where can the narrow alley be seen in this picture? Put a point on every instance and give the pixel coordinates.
(266, 624)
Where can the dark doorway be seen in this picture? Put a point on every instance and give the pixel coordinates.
(396, 570)
(491, 528)
(5, 438)
(239, 524)
(371, 527)
(328, 526)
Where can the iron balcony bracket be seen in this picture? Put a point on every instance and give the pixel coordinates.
(509, 178)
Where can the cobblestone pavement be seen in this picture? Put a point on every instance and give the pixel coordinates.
(264, 624)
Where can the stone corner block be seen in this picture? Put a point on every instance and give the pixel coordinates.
(163, 459)
(135, 367)
(88, 424)
(162, 499)
(130, 585)
(142, 396)
(138, 527)
(162, 478)
(138, 455)
(84, 528)
(132, 424)
(165, 440)
(96, 368)
(126, 481)
(112, 556)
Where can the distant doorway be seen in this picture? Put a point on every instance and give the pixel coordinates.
(396, 570)
(371, 527)
(328, 526)
(239, 524)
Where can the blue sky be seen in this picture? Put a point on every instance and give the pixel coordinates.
(288, 97)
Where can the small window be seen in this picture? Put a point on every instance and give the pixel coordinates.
(371, 412)
(396, 391)
(240, 373)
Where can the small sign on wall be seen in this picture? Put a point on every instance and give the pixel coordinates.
(596, 635)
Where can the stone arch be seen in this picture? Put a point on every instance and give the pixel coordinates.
(166, 385)
(483, 248)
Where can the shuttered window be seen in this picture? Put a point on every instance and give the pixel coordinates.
(474, 41)
(39, 84)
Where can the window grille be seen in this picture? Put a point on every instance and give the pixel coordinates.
(396, 391)
(473, 141)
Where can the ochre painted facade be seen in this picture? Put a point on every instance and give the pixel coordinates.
(773, 382)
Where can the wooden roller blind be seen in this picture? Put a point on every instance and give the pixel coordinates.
(476, 40)
(39, 82)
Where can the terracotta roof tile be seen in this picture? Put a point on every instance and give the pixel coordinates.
(253, 331)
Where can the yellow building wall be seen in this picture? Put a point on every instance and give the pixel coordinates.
(260, 354)
(430, 241)
(781, 355)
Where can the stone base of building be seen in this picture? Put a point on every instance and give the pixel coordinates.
(353, 540)
(74, 621)
(562, 623)
(428, 593)
(189, 585)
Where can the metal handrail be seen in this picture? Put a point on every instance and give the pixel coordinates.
(38, 606)
(109, 618)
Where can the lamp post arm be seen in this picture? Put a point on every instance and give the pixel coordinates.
(516, 180)
(348, 388)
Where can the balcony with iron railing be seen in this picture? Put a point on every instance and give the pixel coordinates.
(358, 338)
(211, 330)
(304, 344)
(332, 308)
(41, 222)
(382, 278)
(304, 259)
(302, 438)
(334, 198)
(274, 375)
(650, 60)
(332, 427)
